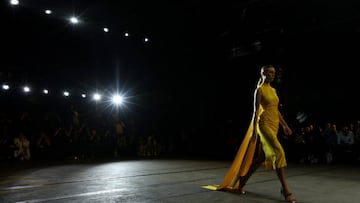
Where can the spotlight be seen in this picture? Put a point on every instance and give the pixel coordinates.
(83, 95)
(5, 87)
(146, 40)
(66, 93)
(14, 2)
(117, 99)
(26, 89)
(45, 91)
(97, 97)
(74, 20)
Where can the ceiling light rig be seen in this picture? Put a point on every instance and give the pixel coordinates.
(75, 20)
(116, 99)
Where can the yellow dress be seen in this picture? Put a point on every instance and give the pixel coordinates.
(268, 125)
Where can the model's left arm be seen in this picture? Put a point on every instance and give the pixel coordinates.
(286, 128)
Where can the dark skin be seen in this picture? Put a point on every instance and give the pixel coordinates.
(268, 76)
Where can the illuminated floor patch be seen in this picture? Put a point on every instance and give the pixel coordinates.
(72, 196)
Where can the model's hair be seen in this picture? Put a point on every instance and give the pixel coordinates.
(263, 69)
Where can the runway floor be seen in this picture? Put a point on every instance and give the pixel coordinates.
(168, 180)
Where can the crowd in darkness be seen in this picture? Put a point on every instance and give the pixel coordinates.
(51, 132)
(326, 143)
(42, 132)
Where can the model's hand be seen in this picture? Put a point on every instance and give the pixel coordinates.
(287, 130)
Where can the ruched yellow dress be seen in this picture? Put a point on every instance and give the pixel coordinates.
(267, 124)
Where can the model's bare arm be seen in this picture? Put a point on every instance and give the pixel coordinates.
(286, 128)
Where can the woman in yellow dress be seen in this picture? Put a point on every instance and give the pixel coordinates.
(260, 145)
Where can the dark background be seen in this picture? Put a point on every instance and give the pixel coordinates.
(203, 59)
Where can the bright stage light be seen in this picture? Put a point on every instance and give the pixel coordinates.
(126, 34)
(45, 91)
(47, 11)
(14, 2)
(97, 97)
(26, 89)
(83, 95)
(106, 29)
(5, 87)
(66, 93)
(74, 20)
(117, 99)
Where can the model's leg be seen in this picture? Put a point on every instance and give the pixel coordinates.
(273, 145)
(285, 188)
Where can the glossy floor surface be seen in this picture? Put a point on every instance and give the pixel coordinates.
(169, 180)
